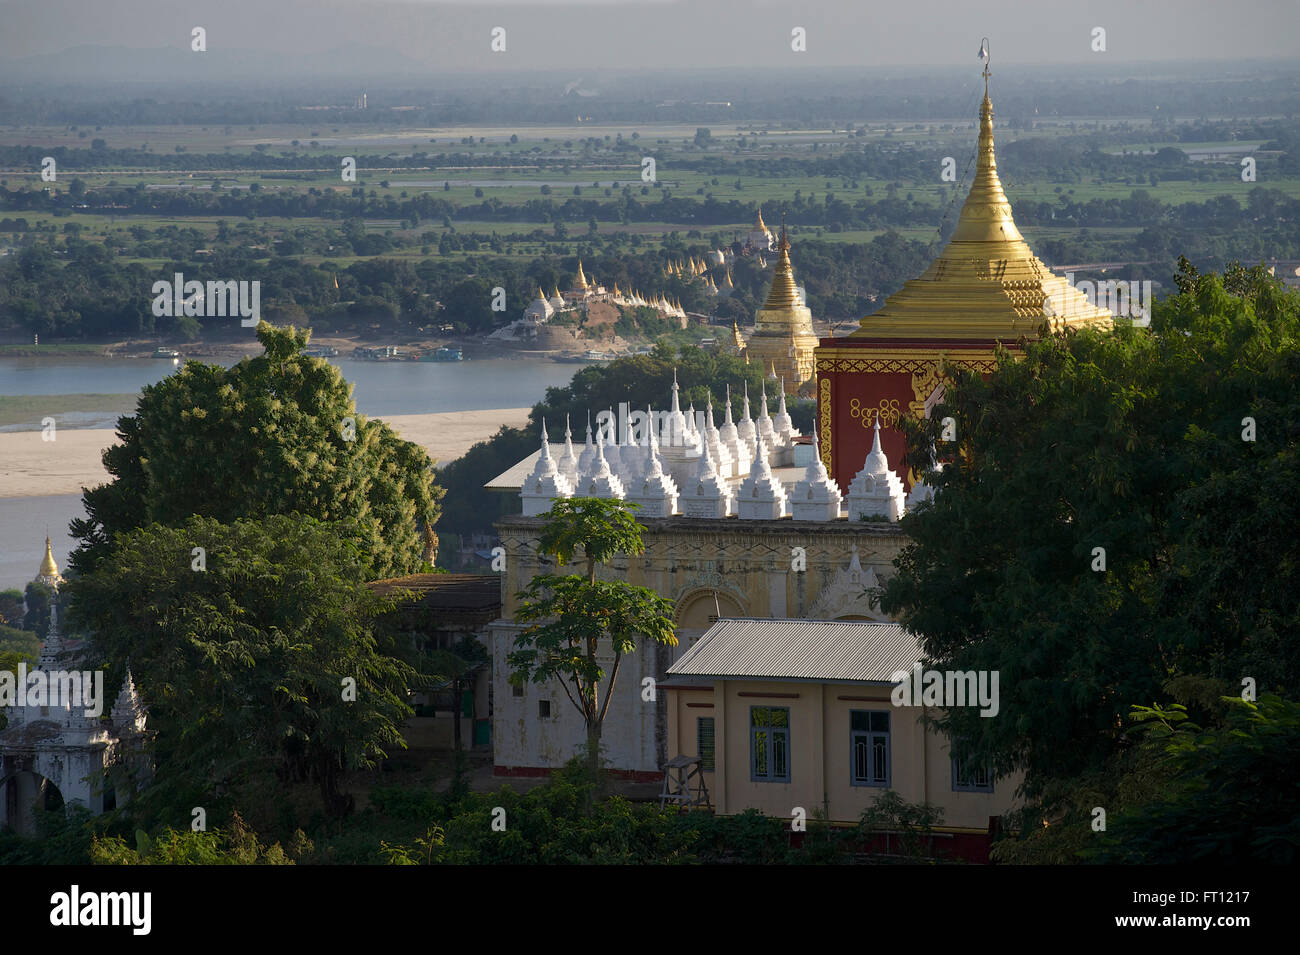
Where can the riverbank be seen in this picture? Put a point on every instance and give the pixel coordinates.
(30, 467)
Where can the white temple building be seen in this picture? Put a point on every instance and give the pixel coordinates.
(678, 463)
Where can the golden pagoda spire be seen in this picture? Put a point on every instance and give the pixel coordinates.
(986, 283)
(986, 215)
(582, 279)
(759, 226)
(49, 569)
(783, 293)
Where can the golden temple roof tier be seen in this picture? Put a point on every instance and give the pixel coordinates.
(986, 283)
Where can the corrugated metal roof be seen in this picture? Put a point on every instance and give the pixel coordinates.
(851, 651)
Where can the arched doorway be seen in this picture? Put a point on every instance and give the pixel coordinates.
(697, 611)
(22, 794)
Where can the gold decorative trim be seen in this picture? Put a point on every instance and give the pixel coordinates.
(824, 419)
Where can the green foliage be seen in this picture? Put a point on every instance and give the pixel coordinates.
(599, 528)
(11, 608)
(570, 616)
(267, 436)
(911, 823)
(237, 845)
(63, 837)
(1131, 441)
(244, 663)
(1229, 794)
(38, 596)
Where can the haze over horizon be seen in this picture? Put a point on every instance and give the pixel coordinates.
(297, 37)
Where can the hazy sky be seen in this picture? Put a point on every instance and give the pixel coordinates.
(667, 34)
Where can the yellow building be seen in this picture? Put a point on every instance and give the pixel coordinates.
(783, 337)
(709, 569)
(790, 714)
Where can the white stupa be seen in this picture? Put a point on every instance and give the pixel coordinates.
(709, 494)
(568, 463)
(587, 459)
(745, 427)
(816, 497)
(545, 483)
(761, 497)
(921, 492)
(763, 423)
(657, 492)
(781, 423)
(729, 435)
(876, 490)
(603, 482)
(713, 443)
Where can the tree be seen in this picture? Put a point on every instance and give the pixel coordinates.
(275, 434)
(571, 615)
(38, 596)
(11, 608)
(1116, 514)
(263, 659)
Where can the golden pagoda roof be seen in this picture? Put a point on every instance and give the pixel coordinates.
(759, 226)
(582, 279)
(783, 293)
(986, 283)
(48, 567)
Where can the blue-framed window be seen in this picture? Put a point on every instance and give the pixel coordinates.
(869, 742)
(971, 777)
(769, 744)
(704, 741)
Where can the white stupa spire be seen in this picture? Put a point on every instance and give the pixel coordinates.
(877, 490)
(52, 649)
(781, 423)
(677, 428)
(761, 497)
(545, 483)
(709, 494)
(603, 482)
(587, 459)
(764, 422)
(816, 497)
(748, 433)
(729, 435)
(921, 491)
(656, 492)
(612, 454)
(713, 442)
(568, 463)
(631, 459)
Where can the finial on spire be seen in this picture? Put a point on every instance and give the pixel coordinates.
(984, 55)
